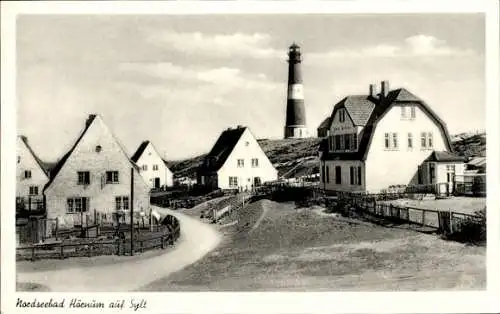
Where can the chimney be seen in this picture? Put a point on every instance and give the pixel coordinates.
(373, 90)
(384, 89)
(240, 126)
(24, 138)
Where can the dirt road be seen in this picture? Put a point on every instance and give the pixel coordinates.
(277, 247)
(197, 239)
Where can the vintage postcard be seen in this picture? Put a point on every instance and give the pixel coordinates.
(168, 157)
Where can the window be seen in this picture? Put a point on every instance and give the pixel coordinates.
(155, 167)
(122, 203)
(241, 163)
(355, 175)
(33, 190)
(323, 174)
(423, 140)
(347, 142)
(233, 181)
(426, 140)
(27, 174)
(410, 140)
(413, 112)
(338, 175)
(387, 141)
(18, 159)
(341, 115)
(395, 140)
(327, 174)
(429, 140)
(83, 177)
(255, 162)
(352, 173)
(355, 141)
(341, 139)
(420, 179)
(77, 205)
(337, 142)
(330, 142)
(144, 167)
(403, 112)
(112, 177)
(359, 175)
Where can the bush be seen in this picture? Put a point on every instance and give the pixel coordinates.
(472, 231)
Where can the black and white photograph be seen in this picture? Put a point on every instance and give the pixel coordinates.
(248, 152)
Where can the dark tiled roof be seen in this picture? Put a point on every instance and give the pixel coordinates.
(325, 124)
(221, 150)
(139, 151)
(40, 163)
(359, 108)
(400, 95)
(442, 156)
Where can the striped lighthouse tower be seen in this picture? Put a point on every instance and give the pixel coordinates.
(295, 126)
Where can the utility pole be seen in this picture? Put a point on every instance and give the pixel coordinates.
(132, 211)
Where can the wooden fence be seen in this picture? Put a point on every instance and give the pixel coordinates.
(96, 247)
(441, 221)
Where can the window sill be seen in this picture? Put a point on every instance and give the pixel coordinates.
(112, 182)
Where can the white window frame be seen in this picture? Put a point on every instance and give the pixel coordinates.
(410, 141)
(240, 163)
(233, 181)
(27, 174)
(155, 167)
(72, 209)
(255, 162)
(115, 177)
(122, 202)
(33, 190)
(83, 181)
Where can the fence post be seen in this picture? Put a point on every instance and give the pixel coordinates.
(62, 251)
(57, 226)
(423, 217)
(33, 253)
(451, 221)
(162, 242)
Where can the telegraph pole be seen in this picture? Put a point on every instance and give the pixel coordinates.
(132, 211)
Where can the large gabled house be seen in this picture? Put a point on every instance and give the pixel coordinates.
(236, 161)
(377, 141)
(94, 179)
(153, 167)
(31, 177)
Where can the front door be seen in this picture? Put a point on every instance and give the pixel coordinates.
(157, 183)
(256, 181)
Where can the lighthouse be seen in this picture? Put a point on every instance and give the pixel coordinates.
(295, 126)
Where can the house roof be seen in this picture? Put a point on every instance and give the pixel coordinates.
(443, 156)
(380, 108)
(478, 162)
(59, 165)
(40, 163)
(223, 147)
(359, 108)
(325, 124)
(135, 157)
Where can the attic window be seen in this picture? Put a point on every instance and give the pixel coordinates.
(98, 148)
(247, 143)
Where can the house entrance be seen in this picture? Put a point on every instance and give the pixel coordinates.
(157, 183)
(256, 181)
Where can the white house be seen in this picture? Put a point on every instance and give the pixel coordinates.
(31, 177)
(94, 178)
(376, 141)
(236, 161)
(152, 167)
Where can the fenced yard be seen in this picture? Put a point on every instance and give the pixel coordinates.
(111, 241)
(450, 223)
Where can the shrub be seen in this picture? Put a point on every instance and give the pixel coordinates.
(472, 231)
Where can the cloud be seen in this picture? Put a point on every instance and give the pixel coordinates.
(254, 45)
(413, 46)
(224, 79)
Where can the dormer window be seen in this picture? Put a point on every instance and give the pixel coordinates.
(341, 115)
(98, 148)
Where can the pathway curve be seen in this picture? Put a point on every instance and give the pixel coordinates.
(196, 240)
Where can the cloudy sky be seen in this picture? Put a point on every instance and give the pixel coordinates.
(180, 80)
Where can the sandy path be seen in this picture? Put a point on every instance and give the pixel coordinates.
(197, 239)
(261, 218)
